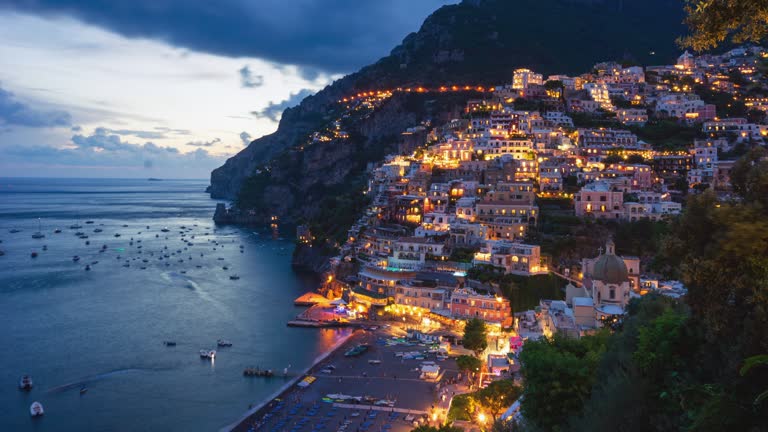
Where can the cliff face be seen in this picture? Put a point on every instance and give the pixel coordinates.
(475, 42)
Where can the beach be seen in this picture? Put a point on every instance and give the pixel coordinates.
(376, 376)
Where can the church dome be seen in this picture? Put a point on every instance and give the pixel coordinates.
(609, 268)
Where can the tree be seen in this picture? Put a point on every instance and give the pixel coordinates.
(559, 374)
(475, 336)
(468, 363)
(497, 397)
(751, 362)
(712, 22)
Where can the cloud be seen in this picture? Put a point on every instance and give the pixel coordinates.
(246, 138)
(104, 150)
(153, 134)
(274, 111)
(204, 143)
(16, 113)
(336, 36)
(248, 79)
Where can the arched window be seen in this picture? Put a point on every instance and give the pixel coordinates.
(612, 293)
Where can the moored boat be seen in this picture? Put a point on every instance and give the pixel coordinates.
(36, 409)
(25, 382)
(208, 354)
(223, 343)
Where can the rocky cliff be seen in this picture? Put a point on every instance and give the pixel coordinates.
(474, 42)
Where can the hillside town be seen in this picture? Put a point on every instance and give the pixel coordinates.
(466, 224)
(466, 195)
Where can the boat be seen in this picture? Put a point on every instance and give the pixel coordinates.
(234, 277)
(75, 258)
(169, 343)
(33, 254)
(45, 247)
(89, 222)
(98, 230)
(25, 382)
(36, 409)
(165, 229)
(223, 343)
(208, 354)
(356, 351)
(38, 234)
(14, 231)
(87, 267)
(57, 231)
(83, 390)
(75, 226)
(117, 234)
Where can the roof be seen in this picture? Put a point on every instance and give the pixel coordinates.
(582, 301)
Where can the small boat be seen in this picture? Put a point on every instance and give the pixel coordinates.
(14, 231)
(57, 231)
(125, 225)
(117, 234)
(83, 390)
(165, 229)
(208, 354)
(87, 267)
(87, 243)
(75, 258)
(97, 230)
(225, 268)
(45, 247)
(38, 234)
(25, 382)
(169, 343)
(75, 226)
(83, 237)
(223, 343)
(36, 409)
(89, 222)
(234, 277)
(33, 254)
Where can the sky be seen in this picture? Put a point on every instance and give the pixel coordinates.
(171, 88)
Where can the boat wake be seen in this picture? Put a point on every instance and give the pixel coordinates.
(99, 377)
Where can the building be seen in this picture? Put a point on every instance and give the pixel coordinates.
(467, 304)
(600, 201)
(522, 78)
(515, 258)
(607, 284)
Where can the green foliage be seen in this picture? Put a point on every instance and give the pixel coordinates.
(475, 336)
(497, 397)
(749, 176)
(559, 374)
(462, 407)
(713, 23)
(465, 255)
(724, 103)
(667, 134)
(468, 363)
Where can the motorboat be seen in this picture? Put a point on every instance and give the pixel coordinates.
(75, 258)
(89, 222)
(208, 354)
(57, 231)
(234, 277)
(36, 409)
(45, 247)
(170, 344)
(75, 226)
(14, 231)
(117, 234)
(33, 254)
(165, 229)
(83, 390)
(98, 230)
(87, 267)
(25, 382)
(223, 343)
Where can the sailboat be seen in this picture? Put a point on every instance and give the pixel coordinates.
(38, 234)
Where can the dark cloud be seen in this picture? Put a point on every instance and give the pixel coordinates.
(76, 128)
(248, 79)
(246, 138)
(204, 143)
(16, 113)
(331, 35)
(274, 111)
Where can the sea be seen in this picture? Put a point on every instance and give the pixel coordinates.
(93, 340)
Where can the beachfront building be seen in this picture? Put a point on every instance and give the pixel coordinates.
(465, 303)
